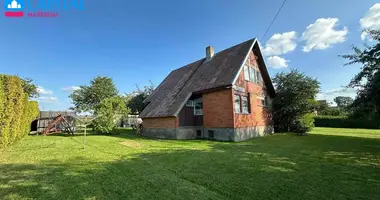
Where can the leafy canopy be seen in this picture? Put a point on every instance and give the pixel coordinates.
(367, 102)
(86, 98)
(295, 98)
(29, 88)
(135, 101)
(108, 111)
(343, 102)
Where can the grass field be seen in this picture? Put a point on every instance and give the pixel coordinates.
(327, 164)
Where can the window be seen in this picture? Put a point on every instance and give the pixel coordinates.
(198, 107)
(252, 73)
(246, 73)
(199, 133)
(245, 104)
(258, 77)
(190, 103)
(241, 104)
(263, 101)
(211, 134)
(237, 104)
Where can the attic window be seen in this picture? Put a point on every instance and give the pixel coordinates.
(246, 73)
(190, 103)
(258, 77)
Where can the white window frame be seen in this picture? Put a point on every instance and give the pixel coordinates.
(246, 72)
(240, 110)
(199, 111)
(242, 105)
(252, 78)
(190, 103)
(265, 99)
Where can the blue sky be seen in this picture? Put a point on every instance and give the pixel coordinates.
(137, 41)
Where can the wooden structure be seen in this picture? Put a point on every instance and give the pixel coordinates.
(50, 122)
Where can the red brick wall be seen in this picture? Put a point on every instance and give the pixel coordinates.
(161, 122)
(259, 115)
(218, 109)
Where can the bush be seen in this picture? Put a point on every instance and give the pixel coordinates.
(303, 124)
(16, 112)
(345, 122)
(109, 110)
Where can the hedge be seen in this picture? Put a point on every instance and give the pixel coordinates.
(16, 111)
(345, 122)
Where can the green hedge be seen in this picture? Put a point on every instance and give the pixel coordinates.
(16, 111)
(345, 122)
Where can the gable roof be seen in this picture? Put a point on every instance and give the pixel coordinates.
(221, 71)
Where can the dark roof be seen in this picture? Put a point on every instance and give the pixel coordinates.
(170, 96)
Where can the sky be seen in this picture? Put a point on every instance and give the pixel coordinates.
(136, 41)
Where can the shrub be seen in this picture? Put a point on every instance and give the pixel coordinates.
(345, 122)
(16, 112)
(108, 111)
(303, 124)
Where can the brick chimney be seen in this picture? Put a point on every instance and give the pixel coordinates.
(209, 53)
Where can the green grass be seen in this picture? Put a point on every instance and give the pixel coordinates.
(327, 164)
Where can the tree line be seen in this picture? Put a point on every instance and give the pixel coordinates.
(295, 100)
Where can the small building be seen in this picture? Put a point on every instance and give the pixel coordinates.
(46, 117)
(224, 96)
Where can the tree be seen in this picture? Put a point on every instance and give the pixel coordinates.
(294, 101)
(367, 102)
(88, 97)
(343, 102)
(108, 111)
(29, 88)
(135, 100)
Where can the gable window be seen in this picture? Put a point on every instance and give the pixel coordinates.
(190, 103)
(252, 73)
(258, 77)
(237, 103)
(241, 104)
(198, 107)
(246, 73)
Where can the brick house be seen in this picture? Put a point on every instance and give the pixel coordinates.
(224, 96)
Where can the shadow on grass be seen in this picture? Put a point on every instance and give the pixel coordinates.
(273, 167)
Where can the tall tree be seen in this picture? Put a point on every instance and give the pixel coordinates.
(294, 101)
(343, 102)
(135, 101)
(29, 88)
(86, 98)
(367, 103)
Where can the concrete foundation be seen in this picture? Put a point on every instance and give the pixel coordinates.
(220, 134)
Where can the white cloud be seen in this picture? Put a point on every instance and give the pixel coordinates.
(322, 34)
(70, 88)
(329, 95)
(371, 20)
(277, 62)
(45, 99)
(43, 91)
(280, 43)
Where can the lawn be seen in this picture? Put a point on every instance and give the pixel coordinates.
(327, 164)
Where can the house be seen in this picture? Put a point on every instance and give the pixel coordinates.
(224, 96)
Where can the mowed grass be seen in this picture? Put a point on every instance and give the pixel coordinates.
(327, 164)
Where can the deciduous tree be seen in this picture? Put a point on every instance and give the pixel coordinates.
(86, 98)
(294, 101)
